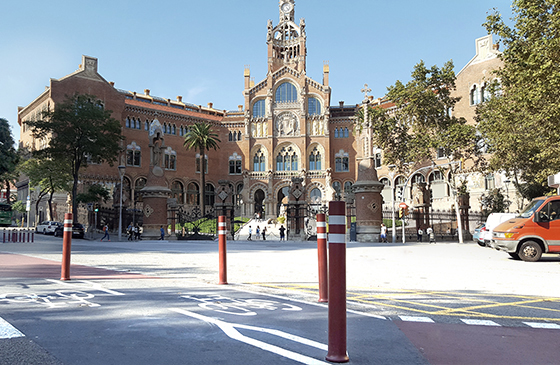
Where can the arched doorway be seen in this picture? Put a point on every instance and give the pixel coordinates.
(282, 200)
(259, 199)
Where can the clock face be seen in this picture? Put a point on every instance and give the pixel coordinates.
(286, 7)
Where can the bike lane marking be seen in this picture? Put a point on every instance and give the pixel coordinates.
(8, 331)
(230, 330)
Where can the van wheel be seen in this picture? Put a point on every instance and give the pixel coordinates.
(514, 255)
(530, 251)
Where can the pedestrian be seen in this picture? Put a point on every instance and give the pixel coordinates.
(250, 233)
(129, 232)
(136, 231)
(106, 230)
(162, 233)
(431, 234)
(140, 231)
(264, 233)
(282, 230)
(383, 236)
(420, 233)
(257, 233)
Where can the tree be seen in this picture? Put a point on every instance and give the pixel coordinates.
(200, 137)
(9, 157)
(81, 130)
(494, 202)
(94, 194)
(49, 176)
(521, 124)
(421, 124)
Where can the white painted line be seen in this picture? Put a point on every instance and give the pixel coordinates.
(231, 332)
(552, 326)
(416, 319)
(90, 285)
(8, 331)
(480, 322)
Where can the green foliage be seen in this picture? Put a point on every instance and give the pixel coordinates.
(389, 223)
(19, 207)
(422, 122)
(80, 129)
(8, 155)
(494, 202)
(200, 137)
(522, 126)
(94, 194)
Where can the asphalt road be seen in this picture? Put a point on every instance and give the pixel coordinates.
(157, 302)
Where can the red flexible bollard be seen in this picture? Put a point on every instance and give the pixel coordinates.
(337, 344)
(222, 249)
(322, 257)
(66, 247)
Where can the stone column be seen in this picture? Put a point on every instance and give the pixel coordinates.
(156, 192)
(368, 202)
(421, 205)
(297, 209)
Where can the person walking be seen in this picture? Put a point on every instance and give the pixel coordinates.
(431, 234)
(136, 231)
(420, 233)
(264, 233)
(383, 236)
(130, 232)
(162, 233)
(250, 233)
(257, 232)
(106, 230)
(282, 231)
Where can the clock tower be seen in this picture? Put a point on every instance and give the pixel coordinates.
(287, 41)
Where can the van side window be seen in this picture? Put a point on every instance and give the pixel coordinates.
(554, 209)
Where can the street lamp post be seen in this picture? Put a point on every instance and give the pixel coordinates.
(394, 229)
(121, 174)
(506, 183)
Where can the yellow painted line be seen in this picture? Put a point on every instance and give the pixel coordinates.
(495, 305)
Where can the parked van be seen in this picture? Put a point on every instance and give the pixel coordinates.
(493, 220)
(533, 232)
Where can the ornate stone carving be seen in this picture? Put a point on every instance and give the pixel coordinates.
(286, 124)
(148, 210)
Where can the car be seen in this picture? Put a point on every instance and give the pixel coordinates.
(478, 232)
(493, 220)
(47, 227)
(77, 231)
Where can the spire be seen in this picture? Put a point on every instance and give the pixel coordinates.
(287, 41)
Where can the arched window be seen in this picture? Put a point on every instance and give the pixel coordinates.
(316, 196)
(418, 178)
(313, 106)
(139, 185)
(489, 182)
(230, 137)
(286, 93)
(198, 163)
(315, 160)
(173, 130)
(259, 161)
(193, 194)
(177, 192)
(126, 123)
(348, 187)
(337, 187)
(346, 134)
(146, 125)
(239, 136)
(287, 160)
(336, 133)
(437, 185)
(474, 95)
(259, 109)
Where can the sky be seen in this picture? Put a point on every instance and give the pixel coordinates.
(199, 49)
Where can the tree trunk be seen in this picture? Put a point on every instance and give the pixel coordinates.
(7, 181)
(74, 202)
(202, 182)
(51, 215)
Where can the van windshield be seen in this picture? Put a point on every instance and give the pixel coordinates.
(535, 204)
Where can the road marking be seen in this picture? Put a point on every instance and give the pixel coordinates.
(416, 319)
(8, 331)
(543, 325)
(231, 332)
(90, 285)
(480, 322)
